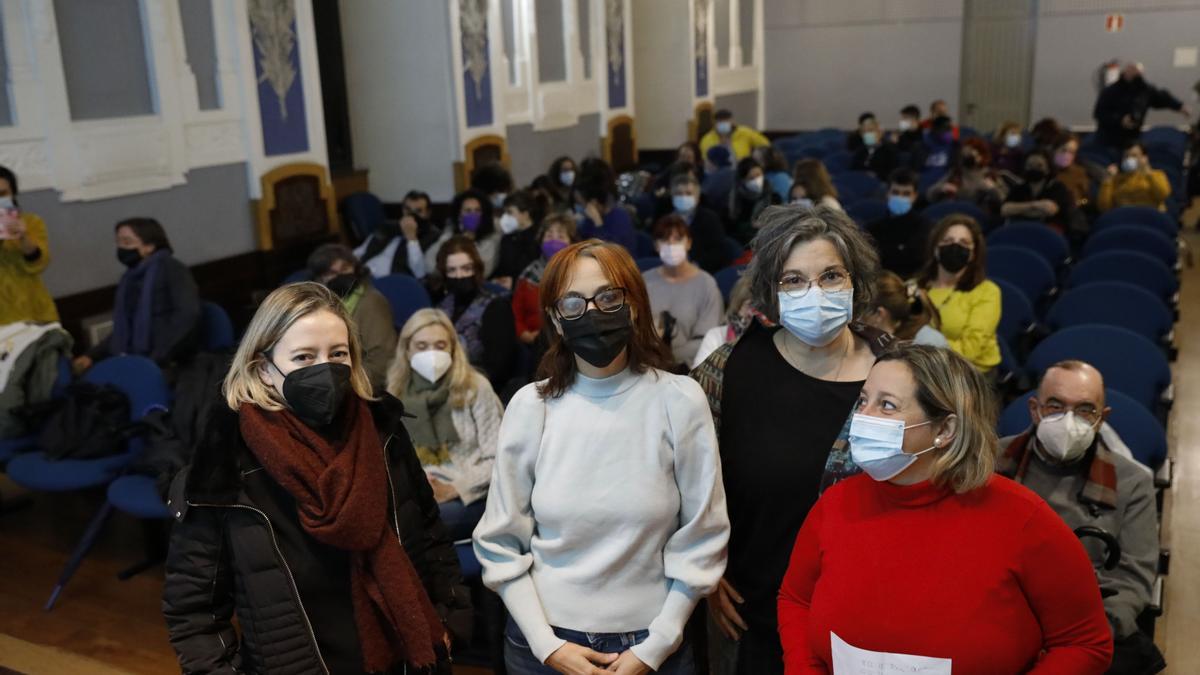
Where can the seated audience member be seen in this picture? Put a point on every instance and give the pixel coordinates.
(740, 140)
(604, 217)
(1045, 132)
(938, 147)
(493, 180)
(24, 255)
(908, 557)
(1071, 172)
(483, 319)
(1063, 459)
(938, 109)
(719, 177)
(454, 417)
(774, 166)
(905, 311)
(738, 316)
(873, 153)
(416, 232)
(685, 299)
(955, 278)
(854, 139)
(471, 216)
(518, 239)
(338, 269)
(900, 235)
(971, 179)
(1007, 154)
(750, 195)
(710, 249)
(1135, 184)
(157, 308)
(812, 186)
(908, 130)
(689, 152)
(1039, 196)
(561, 181)
(556, 233)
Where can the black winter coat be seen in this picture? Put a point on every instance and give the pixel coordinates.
(224, 558)
(1128, 97)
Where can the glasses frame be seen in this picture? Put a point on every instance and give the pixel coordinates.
(1098, 413)
(591, 301)
(797, 293)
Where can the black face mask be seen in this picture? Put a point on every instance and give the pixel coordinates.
(953, 257)
(462, 288)
(343, 284)
(598, 337)
(129, 257)
(315, 394)
(1035, 175)
(970, 163)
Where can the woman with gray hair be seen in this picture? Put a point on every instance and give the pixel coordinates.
(781, 397)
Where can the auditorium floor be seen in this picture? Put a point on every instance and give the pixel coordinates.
(105, 626)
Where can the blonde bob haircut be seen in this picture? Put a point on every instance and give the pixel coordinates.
(462, 375)
(947, 384)
(282, 308)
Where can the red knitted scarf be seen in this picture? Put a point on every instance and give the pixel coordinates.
(342, 497)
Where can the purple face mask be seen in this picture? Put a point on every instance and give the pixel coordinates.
(470, 221)
(552, 246)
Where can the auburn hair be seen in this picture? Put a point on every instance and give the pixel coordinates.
(646, 349)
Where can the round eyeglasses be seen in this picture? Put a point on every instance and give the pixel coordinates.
(796, 286)
(574, 306)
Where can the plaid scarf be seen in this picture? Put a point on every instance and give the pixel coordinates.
(1100, 489)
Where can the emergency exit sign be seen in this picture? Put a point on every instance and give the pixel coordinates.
(1113, 23)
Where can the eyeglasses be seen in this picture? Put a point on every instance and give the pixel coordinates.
(608, 301)
(1087, 412)
(796, 286)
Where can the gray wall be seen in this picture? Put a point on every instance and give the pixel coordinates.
(104, 58)
(551, 41)
(200, 42)
(532, 151)
(207, 219)
(744, 106)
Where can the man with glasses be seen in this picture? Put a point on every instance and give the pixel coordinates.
(1063, 458)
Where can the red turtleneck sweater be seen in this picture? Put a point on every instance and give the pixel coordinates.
(992, 579)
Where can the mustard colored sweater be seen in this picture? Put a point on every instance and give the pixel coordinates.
(1134, 189)
(969, 321)
(23, 296)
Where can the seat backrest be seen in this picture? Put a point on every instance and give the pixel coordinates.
(1016, 312)
(857, 184)
(647, 263)
(644, 244)
(1133, 238)
(297, 206)
(1131, 363)
(727, 278)
(1143, 216)
(138, 377)
(1036, 237)
(837, 161)
(1130, 267)
(364, 213)
(216, 329)
(936, 212)
(1022, 268)
(867, 211)
(405, 294)
(1112, 303)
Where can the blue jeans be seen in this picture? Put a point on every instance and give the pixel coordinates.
(520, 660)
(461, 519)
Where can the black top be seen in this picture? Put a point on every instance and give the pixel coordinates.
(174, 315)
(1128, 97)
(498, 335)
(777, 428)
(1052, 190)
(710, 249)
(901, 241)
(908, 141)
(517, 251)
(880, 160)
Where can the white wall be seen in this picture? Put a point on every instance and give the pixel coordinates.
(663, 86)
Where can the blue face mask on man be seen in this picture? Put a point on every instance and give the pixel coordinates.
(724, 128)
(683, 203)
(898, 205)
(818, 316)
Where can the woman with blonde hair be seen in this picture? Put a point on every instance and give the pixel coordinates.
(306, 512)
(930, 559)
(456, 416)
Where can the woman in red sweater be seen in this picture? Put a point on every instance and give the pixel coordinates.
(929, 562)
(557, 232)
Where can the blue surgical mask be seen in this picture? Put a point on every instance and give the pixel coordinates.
(869, 138)
(877, 446)
(803, 202)
(898, 206)
(683, 203)
(566, 178)
(723, 128)
(818, 316)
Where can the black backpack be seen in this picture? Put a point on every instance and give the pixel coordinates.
(92, 422)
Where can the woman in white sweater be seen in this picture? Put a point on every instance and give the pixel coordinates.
(606, 519)
(456, 416)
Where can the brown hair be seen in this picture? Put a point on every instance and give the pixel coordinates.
(566, 221)
(670, 225)
(907, 304)
(981, 148)
(461, 244)
(646, 348)
(811, 175)
(975, 272)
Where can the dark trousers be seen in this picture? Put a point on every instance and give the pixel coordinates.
(1136, 655)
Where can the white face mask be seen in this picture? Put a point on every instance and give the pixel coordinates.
(1130, 164)
(754, 185)
(877, 446)
(1111, 75)
(905, 124)
(431, 364)
(1012, 140)
(672, 255)
(508, 223)
(498, 199)
(566, 178)
(803, 202)
(1064, 438)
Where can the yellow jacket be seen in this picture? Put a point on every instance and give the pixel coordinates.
(969, 321)
(741, 141)
(23, 296)
(1134, 189)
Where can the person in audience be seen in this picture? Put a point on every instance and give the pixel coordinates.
(740, 139)
(955, 279)
(561, 180)
(455, 416)
(471, 217)
(710, 248)
(684, 298)
(738, 316)
(415, 231)
(482, 318)
(873, 153)
(518, 240)
(156, 312)
(971, 179)
(908, 136)
(24, 255)
(905, 311)
(812, 186)
(1039, 196)
(1071, 172)
(854, 139)
(1121, 108)
(1045, 132)
(1063, 459)
(603, 216)
(1006, 152)
(930, 555)
(556, 233)
(780, 397)
(606, 521)
(493, 180)
(335, 266)
(938, 109)
(775, 168)
(689, 152)
(900, 235)
(1136, 183)
(305, 485)
(719, 179)
(938, 147)
(750, 195)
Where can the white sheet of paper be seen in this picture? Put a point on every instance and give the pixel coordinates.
(850, 660)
